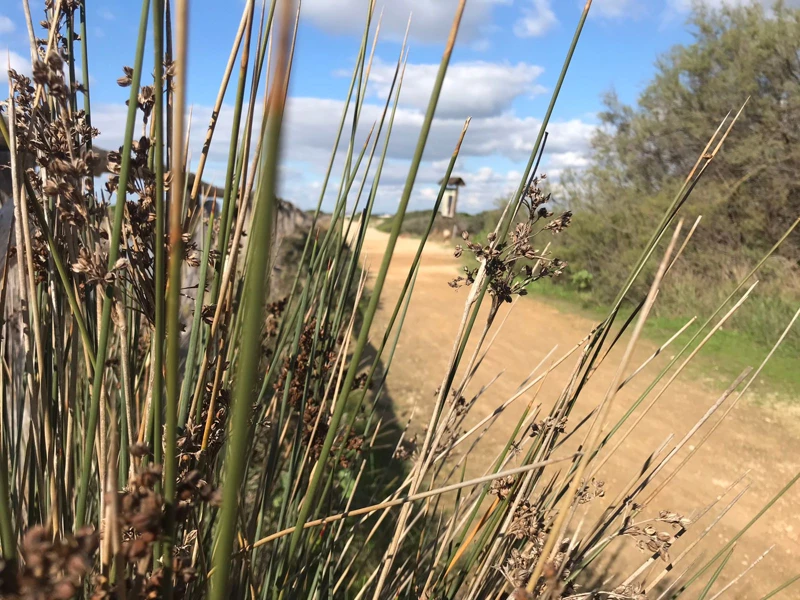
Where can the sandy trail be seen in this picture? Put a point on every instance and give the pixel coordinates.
(760, 440)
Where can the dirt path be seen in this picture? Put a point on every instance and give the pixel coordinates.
(763, 441)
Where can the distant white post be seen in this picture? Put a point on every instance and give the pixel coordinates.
(449, 206)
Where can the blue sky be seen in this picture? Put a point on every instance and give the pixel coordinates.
(506, 62)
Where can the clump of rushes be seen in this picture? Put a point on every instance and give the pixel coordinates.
(252, 467)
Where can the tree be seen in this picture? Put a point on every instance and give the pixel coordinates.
(642, 153)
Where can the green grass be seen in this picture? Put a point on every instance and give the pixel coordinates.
(724, 356)
(721, 360)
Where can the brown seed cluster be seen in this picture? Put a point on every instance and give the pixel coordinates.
(503, 486)
(650, 540)
(50, 569)
(547, 424)
(406, 449)
(142, 521)
(527, 522)
(589, 490)
(511, 266)
(634, 591)
(305, 377)
(519, 564)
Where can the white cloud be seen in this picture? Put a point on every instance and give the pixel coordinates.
(6, 24)
(618, 8)
(536, 20)
(477, 89)
(310, 128)
(431, 19)
(21, 64)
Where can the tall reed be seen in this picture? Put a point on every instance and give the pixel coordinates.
(249, 458)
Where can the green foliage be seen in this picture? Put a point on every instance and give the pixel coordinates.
(752, 191)
(416, 222)
(582, 280)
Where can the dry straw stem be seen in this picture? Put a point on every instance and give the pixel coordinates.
(412, 498)
(597, 427)
(674, 376)
(741, 532)
(657, 352)
(733, 404)
(51, 34)
(736, 579)
(686, 551)
(626, 497)
(226, 77)
(517, 395)
(511, 512)
(178, 150)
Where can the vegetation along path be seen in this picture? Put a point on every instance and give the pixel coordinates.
(754, 439)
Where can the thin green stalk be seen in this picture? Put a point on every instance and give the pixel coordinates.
(197, 327)
(159, 266)
(716, 574)
(545, 122)
(328, 171)
(255, 289)
(87, 107)
(736, 537)
(781, 587)
(369, 314)
(113, 255)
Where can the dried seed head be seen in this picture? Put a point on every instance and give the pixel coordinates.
(127, 78)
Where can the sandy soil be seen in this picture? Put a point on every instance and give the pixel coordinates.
(762, 441)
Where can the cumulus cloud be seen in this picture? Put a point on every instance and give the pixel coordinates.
(431, 19)
(477, 88)
(21, 64)
(617, 8)
(310, 129)
(536, 19)
(6, 25)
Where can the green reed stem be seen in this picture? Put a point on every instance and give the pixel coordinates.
(113, 254)
(159, 266)
(781, 587)
(255, 291)
(736, 537)
(716, 575)
(369, 313)
(87, 106)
